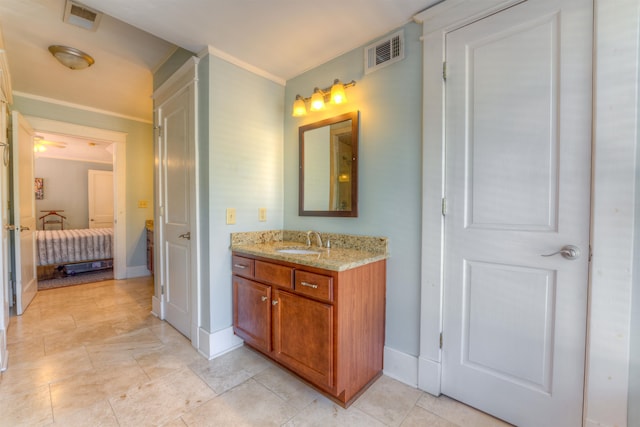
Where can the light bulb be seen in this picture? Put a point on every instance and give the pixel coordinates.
(317, 100)
(338, 95)
(299, 107)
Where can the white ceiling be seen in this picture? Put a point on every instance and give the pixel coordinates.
(283, 38)
(70, 148)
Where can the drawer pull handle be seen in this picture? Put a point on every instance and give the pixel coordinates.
(310, 285)
(240, 266)
(264, 298)
(274, 302)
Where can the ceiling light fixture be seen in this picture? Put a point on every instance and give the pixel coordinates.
(334, 94)
(71, 57)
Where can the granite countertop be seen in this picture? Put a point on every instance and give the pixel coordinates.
(346, 251)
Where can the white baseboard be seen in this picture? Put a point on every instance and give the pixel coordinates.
(156, 307)
(430, 374)
(401, 366)
(4, 354)
(137, 271)
(212, 345)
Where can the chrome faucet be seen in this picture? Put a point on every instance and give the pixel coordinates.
(318, 238)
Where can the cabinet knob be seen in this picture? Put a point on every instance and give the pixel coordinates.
(264, 298)
(274, 302)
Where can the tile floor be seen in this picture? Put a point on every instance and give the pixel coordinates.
(93, 355)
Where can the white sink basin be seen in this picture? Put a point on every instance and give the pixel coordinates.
(298, 251)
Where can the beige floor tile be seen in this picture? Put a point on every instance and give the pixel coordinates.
(86, 389)
(49, 369)
(231, 369)
(388, 400)
(162, 400)
(166, 359)
(87, 335)
(419, 417)
(122, 347)
(175, 423)
(98, 414)
(249, 404)
(458, 413)
(324, 413)
(287, 386)
(27, 351)
(32, 408)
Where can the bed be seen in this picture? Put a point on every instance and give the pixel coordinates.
(57, 249)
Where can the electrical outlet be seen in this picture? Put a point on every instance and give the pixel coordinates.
(142, 204)
(231, 215)
(262, 214)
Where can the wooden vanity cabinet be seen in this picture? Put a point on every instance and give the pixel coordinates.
(326, 326)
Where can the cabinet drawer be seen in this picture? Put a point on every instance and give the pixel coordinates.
(274, 274)
(315, 285)
(242, 266)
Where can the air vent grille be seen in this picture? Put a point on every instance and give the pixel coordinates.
(384, 52)
(81, 16)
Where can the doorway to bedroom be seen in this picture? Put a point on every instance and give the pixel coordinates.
(74, 201)
(63, 185)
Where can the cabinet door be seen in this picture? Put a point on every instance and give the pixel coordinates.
(303, 336)
(251, 312)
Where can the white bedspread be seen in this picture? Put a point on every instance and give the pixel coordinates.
(67, 246)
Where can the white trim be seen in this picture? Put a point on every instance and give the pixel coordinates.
(137, 271)
(79, 107)
(119, 173)
(244, 65)
(616, 78)
(216, 344)
(429, 374)
(4, 353)
(156, 307)
(183, 77)
(400, 366)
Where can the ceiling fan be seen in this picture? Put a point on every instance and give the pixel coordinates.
(40, 144)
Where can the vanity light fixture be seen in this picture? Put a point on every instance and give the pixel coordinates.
(334, 94)
(71, 57)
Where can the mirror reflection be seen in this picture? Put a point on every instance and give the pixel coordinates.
(328, 167)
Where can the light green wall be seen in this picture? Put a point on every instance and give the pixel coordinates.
(66, 187)
(244, 166)
(390, 105)
(170, 66)
(139, 163)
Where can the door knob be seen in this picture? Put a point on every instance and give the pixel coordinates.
(9, 227)
(569, 252)
(24, 228)
(186, 235)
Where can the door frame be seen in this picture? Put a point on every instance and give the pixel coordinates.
(614, 165)
(119, 173)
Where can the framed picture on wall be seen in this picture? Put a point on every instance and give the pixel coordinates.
(39, 188)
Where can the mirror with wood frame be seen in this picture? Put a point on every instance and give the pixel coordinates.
(329, 167)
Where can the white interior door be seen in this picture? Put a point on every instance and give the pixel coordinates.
(518, 138)
(100, 199)
(24, 214)
(178, 189)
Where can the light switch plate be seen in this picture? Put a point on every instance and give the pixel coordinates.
(262, 214)
(231, 216)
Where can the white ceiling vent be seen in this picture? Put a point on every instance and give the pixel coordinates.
(81, 16)
(384, 52)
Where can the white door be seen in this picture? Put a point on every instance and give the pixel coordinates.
(24, 213)
(518, 144)
(100, 199)
(178, 188)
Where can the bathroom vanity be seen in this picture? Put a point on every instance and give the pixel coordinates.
(319, 314)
